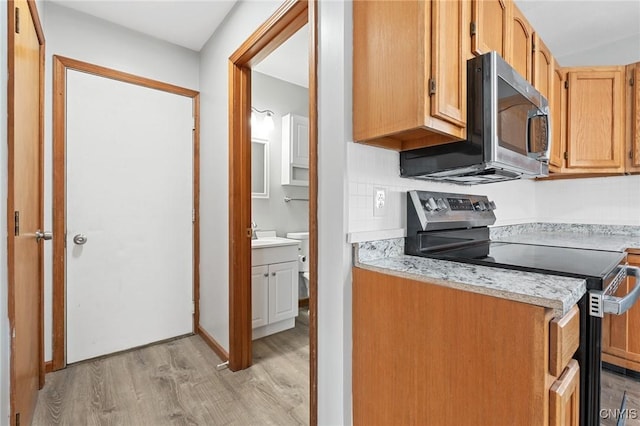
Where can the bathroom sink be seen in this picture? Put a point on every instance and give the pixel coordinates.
(268, 248)
(273, 242)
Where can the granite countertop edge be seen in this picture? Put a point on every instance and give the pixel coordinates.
(559, 293)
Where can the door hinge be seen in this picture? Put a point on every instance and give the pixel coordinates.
(193, 216)
(16, 223)
(566, 84)
(631, 81)
(533, 47)
(473, 29)
(17, 419)
(432, 86)
(193, 306)
(566, 155)
(17, 20)
(631, 155)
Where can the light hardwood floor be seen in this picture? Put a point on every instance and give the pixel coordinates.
(613, 385)
(176, 383)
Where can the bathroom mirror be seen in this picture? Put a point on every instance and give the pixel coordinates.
(259, 168)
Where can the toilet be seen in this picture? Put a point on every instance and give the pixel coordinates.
(303, 262)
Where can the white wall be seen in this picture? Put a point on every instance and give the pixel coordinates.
(243, 19)
(334, 255)
(270, 213)
(607, 200)
(4, 314)
(79, 36)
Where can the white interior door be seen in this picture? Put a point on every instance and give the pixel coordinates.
(130, 193)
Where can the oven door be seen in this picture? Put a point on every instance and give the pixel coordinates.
(619, 386)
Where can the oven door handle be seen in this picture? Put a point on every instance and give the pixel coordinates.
(620, 305)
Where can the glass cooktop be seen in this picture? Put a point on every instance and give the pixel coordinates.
(570, 262)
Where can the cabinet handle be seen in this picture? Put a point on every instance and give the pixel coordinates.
(273, 274)
(266, 275)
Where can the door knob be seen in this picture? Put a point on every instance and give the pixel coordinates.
(43, 235)
(80, 239)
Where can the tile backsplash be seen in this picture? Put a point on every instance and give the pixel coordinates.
(610, 200)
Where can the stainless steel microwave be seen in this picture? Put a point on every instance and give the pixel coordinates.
(508, 131)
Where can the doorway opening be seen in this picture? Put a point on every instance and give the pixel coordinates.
(283, 24)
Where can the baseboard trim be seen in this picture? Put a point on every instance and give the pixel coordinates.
(48, 367)
(215, 346)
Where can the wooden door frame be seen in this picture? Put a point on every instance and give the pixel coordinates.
(11, 96)
(285, 21)
(60, 67)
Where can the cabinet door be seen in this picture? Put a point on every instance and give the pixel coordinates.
(299, 141)
(449, 60)
(564, 397)
(542, 67)
(283, 291)
(259, 296)
(595, 119)
(521, 44)
(557, 103)
(489, 27)
(633, 116)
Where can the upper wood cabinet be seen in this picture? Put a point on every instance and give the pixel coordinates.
(558, 107)
(409, 72)
(543, 66)
(595, 119)
(633, 117)
(489, 29)
(521, 44)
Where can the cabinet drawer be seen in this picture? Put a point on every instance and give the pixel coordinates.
(564, 397)
(565, 338)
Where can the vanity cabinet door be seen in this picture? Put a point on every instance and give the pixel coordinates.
(259, 296)
(283, 291)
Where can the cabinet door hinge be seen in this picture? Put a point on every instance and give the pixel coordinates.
(533, 47)
(16, 223)
(631, 81)
(17, 419)
(566, 84)
(17, 26)
(473, 29)
(193, 306)
(566, 155)
(631, 155)
(193, 216)
(432, 86)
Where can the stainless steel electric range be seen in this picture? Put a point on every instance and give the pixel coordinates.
(454, 227)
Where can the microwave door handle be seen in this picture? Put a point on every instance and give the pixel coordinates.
(534, 113)
(620, 305)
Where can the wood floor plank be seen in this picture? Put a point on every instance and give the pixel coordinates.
(176, 383)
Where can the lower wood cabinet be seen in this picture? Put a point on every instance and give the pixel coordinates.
(274, 297)
(564, 399)
(621, 335)
(427, 354)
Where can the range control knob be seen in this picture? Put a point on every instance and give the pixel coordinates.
(480, 206)
(430, 205)
(441, 204)
(492, 205)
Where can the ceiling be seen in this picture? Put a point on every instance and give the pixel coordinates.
(578, 32)
(187, 23)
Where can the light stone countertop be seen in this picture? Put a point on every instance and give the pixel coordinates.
(596, 237)
(550, 291)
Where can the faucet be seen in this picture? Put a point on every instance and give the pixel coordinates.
(254, 226)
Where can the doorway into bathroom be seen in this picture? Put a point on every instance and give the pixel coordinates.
(273, 188)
